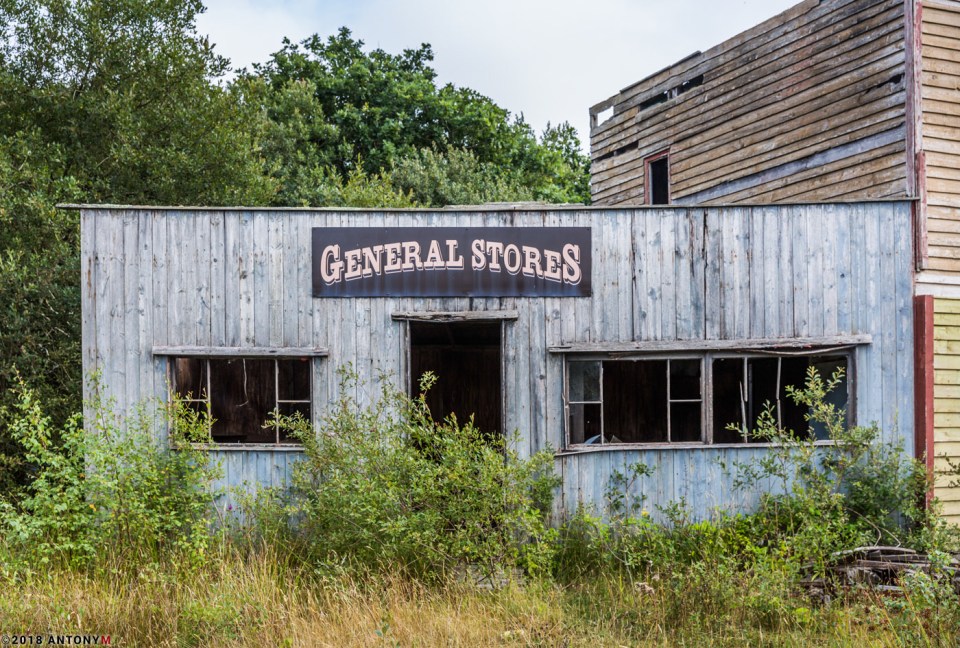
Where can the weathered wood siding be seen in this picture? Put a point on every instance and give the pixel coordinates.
(807, 106)
(241, 278)
(940, 37)
(946, 407)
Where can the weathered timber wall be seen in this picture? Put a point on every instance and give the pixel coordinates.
(807, 106)
(241, 278)
(940, 37)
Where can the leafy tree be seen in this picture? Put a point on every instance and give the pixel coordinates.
(457, 177)
(100, 101)
(330, 104)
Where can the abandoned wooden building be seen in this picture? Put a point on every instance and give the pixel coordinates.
(608, 336)
(832, 100)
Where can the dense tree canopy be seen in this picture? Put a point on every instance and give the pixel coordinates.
(121, 101)
(329, 104)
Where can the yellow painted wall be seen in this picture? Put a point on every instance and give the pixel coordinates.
(946, 397)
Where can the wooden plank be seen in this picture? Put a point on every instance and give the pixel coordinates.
(728, 98)
(245, 260)
(218, 280)
(129, 342)
(237, 352)
(780, 151)
(834, 112)
(109, 290)
(847, 172)
(666, 227)
(666, 346)
(275, 279)
(149, 388)
(776, 54)
(713, 281)
(190, 226)
(232, 268)
(293, 242)
(261, 280)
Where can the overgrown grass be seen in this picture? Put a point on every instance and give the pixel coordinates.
(254, 599)
(395, 525)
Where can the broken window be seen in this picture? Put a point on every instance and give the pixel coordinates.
(241, 394)
(664, 399)
(744, 386)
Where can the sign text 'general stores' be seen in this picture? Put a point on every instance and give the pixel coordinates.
(451, 262)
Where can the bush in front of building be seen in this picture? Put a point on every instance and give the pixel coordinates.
(386, 485)
(115, 492)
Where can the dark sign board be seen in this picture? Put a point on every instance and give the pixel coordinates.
(451, 261)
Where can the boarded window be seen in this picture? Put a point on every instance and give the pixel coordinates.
(662, 399)
(241, 394)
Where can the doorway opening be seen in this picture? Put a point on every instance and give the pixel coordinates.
(466, 358)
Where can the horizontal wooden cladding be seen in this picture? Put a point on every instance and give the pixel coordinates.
(946, 392)
(855, 174)
(733, 58)
(863, 176)
(844, 84)
(940, 101)
(692, 176)
(674, 74)
(714, 105)
(781, 62)
(782, 117)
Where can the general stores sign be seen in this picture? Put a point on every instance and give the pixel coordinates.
(451, 262)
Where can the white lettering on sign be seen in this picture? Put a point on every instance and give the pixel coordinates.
(560, 266)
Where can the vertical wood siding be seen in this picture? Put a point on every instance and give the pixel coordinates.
(946, 402)
(809, 105)
(242, 278)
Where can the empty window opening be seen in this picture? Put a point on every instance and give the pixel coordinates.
(690, 84)
(242, 394)
(658, 180)
(635, 401)
(744, 387)
(466, 358)
(661, 399)
(603, 116)
(672, 93)
(654, 100)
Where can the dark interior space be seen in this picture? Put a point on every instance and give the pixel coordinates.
(465, 356)
(243, 394)
(660, 181)
(762, 383)
(635, 401)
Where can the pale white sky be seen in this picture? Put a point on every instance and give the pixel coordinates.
(548, 59)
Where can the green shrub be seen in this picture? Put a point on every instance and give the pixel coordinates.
(115, 486)
(386, 485)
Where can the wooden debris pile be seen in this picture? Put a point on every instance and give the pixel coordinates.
(878, 568)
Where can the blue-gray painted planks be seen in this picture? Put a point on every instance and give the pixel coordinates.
(185, 277)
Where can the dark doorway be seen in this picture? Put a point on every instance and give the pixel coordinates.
(465, 356)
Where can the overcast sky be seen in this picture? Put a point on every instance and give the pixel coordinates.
(548, 59)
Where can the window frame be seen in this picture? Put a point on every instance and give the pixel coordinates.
(648, 161)
(208, 355)
(706, 356)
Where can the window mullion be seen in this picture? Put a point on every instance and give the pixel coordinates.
(209, 393)
(669, 395)
(743, 403)
(603, 433)
(276, 401)
(706, 392)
